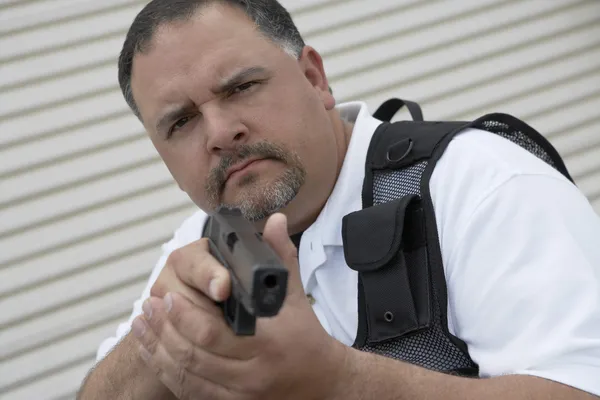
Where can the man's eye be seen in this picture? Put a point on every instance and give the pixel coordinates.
(180, 123)
(243, 87)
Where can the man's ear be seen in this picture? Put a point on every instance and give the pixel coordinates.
(312, 64)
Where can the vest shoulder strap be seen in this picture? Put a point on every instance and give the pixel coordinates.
(402, 144)
(401, 284)
(389, 108)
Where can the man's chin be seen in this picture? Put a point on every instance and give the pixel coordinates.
(257, 209)
(251, 188)
(260, 195)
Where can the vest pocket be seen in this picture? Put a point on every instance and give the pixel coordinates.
(386, 245)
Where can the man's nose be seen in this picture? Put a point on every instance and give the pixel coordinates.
(224, 131)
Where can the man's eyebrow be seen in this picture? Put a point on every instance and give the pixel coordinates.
(225, 86)
(170, 115)
(230, 83)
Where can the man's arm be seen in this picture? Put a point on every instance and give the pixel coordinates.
(123, 375)
(375, 377)
(529, 332)
(200, 357)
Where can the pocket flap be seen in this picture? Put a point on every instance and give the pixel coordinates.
(373, 236)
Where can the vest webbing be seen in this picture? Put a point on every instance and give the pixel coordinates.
(393, 242)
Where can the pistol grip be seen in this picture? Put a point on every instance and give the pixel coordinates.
(238, 318)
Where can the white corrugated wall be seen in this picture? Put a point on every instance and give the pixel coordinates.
(85, 202)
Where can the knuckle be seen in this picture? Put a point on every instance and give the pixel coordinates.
(202, 250)
(183, 394)
(160, 286)
(176, 317)
(206, 336)
(160, 373)
(187, 359)
(167, 277)
(158, 289)
(182, 382)
(202, 244)
(155, 369)
(178, 389)
(175, 258)
(157, 373)
(181, 376)
(157, 325)
(150, 343)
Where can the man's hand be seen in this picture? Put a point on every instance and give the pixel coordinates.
(184, 337)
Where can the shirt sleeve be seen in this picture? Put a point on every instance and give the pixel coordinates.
(189, 231)
(524, 282)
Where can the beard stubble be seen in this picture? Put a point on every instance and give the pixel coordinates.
(257, 200)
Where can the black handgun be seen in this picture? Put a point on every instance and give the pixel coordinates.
(258, 276)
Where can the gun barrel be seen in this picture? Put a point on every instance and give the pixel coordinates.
(259, 279)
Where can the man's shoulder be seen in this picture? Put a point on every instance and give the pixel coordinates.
(477, 167)
(476, 147)
(476, 162)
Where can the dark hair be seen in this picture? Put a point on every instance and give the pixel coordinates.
(271, 18)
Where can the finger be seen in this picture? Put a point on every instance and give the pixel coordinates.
(168, 281)
(196, 267)
(276, 234)
(168, 368)
(181, 355)
(156, 311)
(150, 349)
(207, 332)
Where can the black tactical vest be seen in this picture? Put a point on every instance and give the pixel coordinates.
(393, 242)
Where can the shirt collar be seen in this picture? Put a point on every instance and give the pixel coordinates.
(346, 196)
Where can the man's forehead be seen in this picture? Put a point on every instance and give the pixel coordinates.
(220, 38)
(202, 51)
(162, 73)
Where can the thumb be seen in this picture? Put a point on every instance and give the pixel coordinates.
(276, 235)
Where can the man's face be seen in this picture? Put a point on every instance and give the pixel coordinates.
(237, 120)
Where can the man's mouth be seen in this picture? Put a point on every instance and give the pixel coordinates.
(240, 166)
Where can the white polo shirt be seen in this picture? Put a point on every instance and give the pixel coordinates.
(521, 252)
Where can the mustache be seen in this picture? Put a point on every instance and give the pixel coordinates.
(264, 150)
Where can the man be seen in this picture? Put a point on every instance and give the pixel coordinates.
(240, 111)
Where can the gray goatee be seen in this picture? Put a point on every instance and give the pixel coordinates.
(255, 200)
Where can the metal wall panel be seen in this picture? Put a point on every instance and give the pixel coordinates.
(85, 203)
